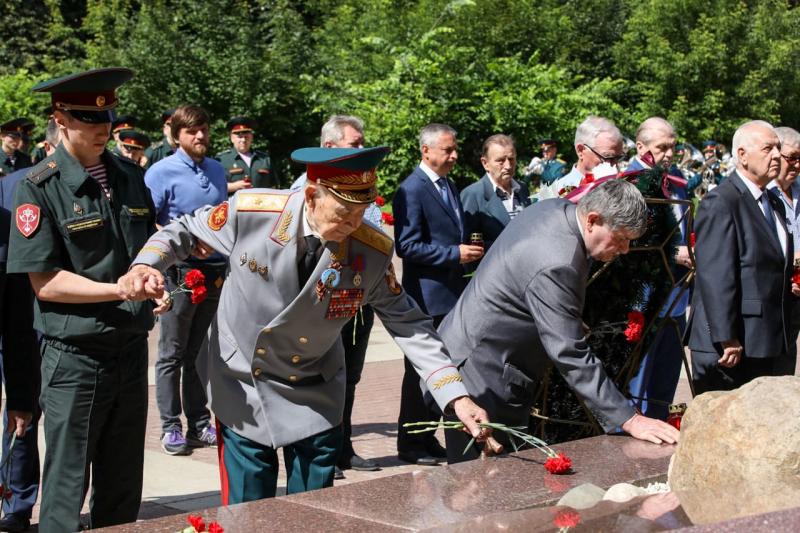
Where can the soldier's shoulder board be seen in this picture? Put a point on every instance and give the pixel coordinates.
(222, 153)
(42, 171)
(261, 201)
(373, 237)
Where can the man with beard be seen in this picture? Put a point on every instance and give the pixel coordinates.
(180, 184)
(244, 167)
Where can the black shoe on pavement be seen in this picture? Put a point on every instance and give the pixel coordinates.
(13, 523)
(435, 449)
(337, 473)
(356, 462)
(421, 458)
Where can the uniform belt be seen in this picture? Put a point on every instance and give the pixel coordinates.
(303, 382)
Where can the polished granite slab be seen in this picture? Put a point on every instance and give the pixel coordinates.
(509, 493)
(448, 495)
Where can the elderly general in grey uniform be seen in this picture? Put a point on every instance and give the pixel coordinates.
(530, 291)
(274, 361)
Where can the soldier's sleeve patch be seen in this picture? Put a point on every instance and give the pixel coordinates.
(28, 217)
(218, 216)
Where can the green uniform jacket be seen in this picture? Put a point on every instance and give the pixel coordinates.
(21, 160)
(64, 221)
(259, 172)
(157, 152)
(38, 153)
(553, 169)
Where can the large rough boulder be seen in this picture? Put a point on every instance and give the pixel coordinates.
(739, 452)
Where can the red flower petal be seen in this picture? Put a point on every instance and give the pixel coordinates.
(194, 278)
(558, 464)
(199, 294)
(566, 519)
(214, 527)
(379, 201)
(197, 523)
(387, 218)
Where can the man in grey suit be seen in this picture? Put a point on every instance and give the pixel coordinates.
(739, 325)
(491, 202)
(301, 264)
(530, 290)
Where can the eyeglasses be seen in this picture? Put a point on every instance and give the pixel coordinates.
(612, 159)
(794, 161)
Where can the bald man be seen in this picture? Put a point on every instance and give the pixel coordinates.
(739, 325)
(654, 386)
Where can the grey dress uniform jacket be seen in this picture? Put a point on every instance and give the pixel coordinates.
(273, 363)
(522, 308)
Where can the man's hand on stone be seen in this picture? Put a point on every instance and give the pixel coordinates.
(470, 253)
(650, 429)
(472, 416)
(732, 352)
(142, 282)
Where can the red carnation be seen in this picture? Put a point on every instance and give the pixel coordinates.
(380, 201)
(635, 326)
(387, 218)
(691, 239)
(194, 278)
(565, 519)
(559, 464)
(199, 294)
(214, 527)
(197, 523)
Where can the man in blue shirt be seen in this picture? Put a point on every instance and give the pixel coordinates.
(180, 184)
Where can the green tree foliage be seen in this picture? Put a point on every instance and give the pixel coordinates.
(531, 68)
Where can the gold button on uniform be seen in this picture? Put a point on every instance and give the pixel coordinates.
(257, 372)
(295, 359)
(261, 351)
(303, 340)
(292, 378)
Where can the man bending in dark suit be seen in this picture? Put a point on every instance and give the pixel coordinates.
(739, 323)
(491, 202)
(530, 292)
(428, 233)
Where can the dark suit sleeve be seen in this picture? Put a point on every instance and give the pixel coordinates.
(408, 225)
(471, 210)
(555, 299)
(717, 256)
(20, 348)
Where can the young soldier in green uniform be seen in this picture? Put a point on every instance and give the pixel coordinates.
(245, 168)
(80, 217)
(12, 158)
(164, 147)
(123, 123)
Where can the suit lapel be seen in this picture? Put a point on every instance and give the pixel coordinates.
(431, 188)
(494, 203)
(751, 204)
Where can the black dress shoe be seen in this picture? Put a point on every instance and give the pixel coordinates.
(364, 465)
(435, 449)
(337, 473)
(13, 523)
(418, 458)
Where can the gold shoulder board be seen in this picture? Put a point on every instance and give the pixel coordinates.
(374, 238)
(260, 201)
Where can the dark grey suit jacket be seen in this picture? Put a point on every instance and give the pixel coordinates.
(523, 307)
(743, 278)
(484, 211)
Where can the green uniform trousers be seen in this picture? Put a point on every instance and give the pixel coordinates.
(248, 470)
(95, 416)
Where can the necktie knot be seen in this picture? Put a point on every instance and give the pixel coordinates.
(765, 204)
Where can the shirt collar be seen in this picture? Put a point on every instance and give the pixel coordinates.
(754, 189)
(305, 227)
(434, 177)
(514, 185)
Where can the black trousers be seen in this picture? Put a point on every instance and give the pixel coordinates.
(708, 375)
(355, 337)
(413, 408)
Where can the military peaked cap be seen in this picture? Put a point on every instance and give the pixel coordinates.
(89, 96)
(17, 126)
(348, 173)
(124, 122)
(241, 125)
(134, 139)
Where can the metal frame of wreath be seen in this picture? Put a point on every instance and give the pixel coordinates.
(631, 366)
